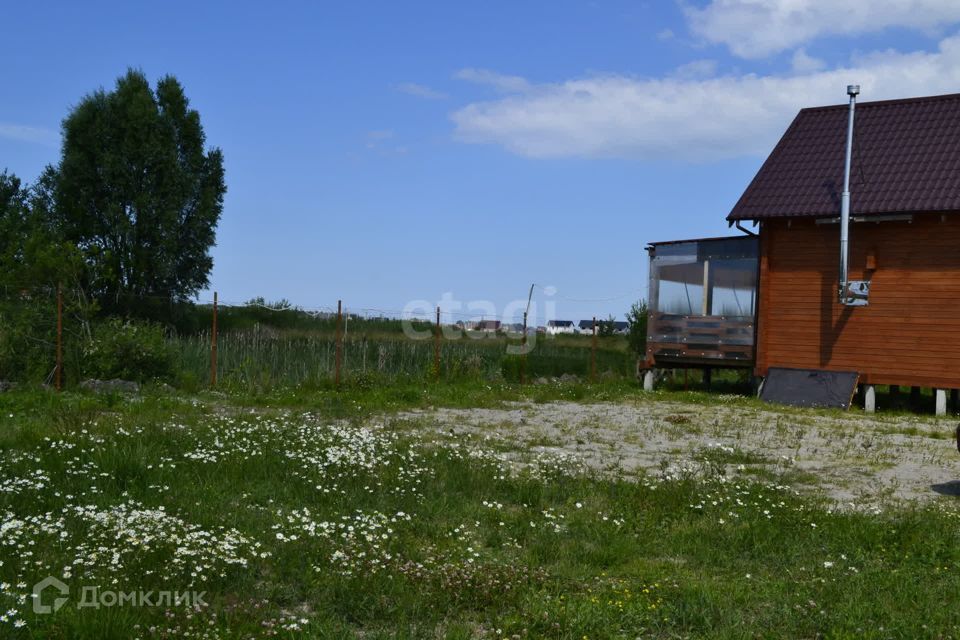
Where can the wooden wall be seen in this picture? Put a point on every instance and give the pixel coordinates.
(910, 332)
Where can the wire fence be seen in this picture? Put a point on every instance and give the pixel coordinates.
(263, 345)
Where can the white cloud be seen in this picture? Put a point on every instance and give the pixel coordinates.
(500, 82)
(421, 91)
(804, 63)
(689, 119)
(22, 133)
(755, 28)
(696, 69)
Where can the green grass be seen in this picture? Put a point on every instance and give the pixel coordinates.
(266, 346)
(262, 358)
(490, 549)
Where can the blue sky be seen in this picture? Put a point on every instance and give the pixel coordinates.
(390, 152)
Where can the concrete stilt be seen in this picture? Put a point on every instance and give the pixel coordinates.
(648, 380)
(941, 395)
(869, 398)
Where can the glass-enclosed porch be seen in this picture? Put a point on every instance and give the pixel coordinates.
(702, 302)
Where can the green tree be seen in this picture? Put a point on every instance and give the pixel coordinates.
(606, 328)
(637, 320)
(12, 226)
(137, 192)
(34, 259)
(32, 252)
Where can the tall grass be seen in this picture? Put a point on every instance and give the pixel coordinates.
(265, 357)
(266, 345)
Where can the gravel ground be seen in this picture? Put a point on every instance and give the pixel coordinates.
(854, 459)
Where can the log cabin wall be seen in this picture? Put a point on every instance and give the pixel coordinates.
(909, 334)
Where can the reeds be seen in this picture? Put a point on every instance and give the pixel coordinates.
(267, 357)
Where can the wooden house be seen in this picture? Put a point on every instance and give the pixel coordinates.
(903, 247)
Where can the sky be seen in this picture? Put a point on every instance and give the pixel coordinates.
(396, 155)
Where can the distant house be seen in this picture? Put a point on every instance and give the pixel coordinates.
(490, 326)
(620, 327)
(555, 327)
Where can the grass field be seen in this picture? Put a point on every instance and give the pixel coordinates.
(264, 346)
(262, 357)
(316, 514)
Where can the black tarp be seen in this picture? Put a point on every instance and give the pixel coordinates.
(809, 387)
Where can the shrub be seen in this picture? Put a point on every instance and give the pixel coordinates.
(637, 318)
(129, 350)
(27, 338)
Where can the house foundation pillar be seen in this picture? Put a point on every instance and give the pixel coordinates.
(941, 396)
(869, 398)
(648, 380)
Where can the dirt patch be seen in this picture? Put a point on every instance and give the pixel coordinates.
(853, 458)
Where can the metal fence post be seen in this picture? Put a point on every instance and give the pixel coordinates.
(593, 353)
(339, 343)
(436, 349)
(213, 344)
(58, 381)
(523, 350)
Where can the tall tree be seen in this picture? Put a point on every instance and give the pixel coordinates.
(32, 253)
(137, 192)
(13, 232)
(12, 197)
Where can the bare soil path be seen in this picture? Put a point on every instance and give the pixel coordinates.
(855, 459)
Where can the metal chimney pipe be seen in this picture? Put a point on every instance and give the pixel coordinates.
(853, 91)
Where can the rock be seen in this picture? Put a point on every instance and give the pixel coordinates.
(569, 377)
(541, 380)
(110, 386)
(5, 386)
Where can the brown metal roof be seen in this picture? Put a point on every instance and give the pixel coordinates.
(906, 159)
